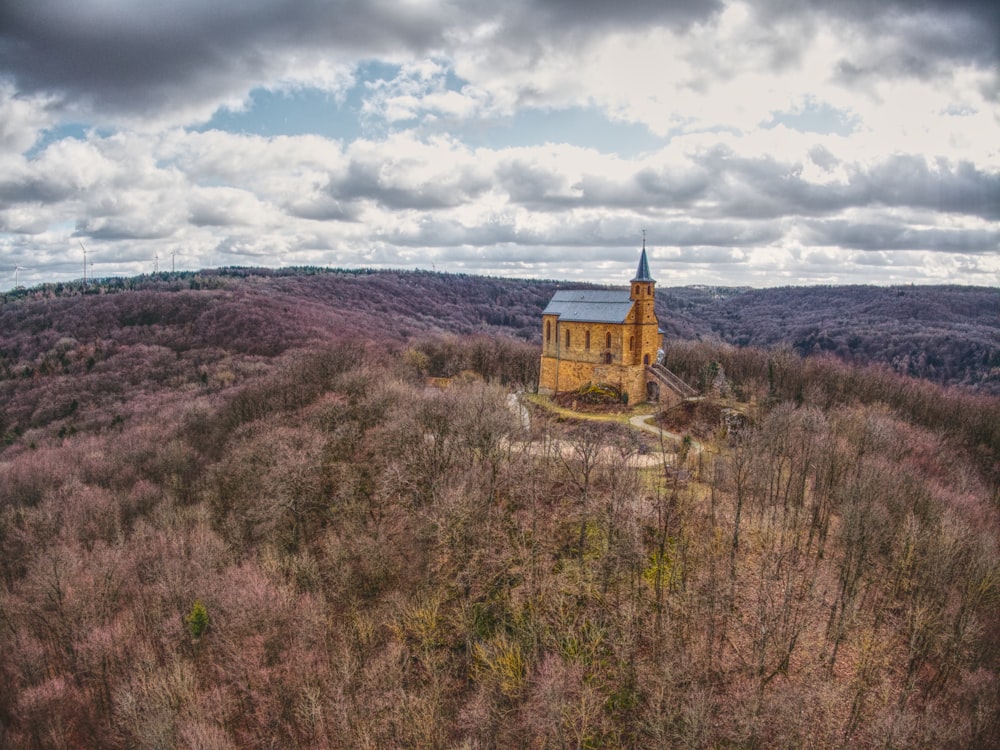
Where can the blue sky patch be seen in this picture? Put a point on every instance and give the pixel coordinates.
(813, 118)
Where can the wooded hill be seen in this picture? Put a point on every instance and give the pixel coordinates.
(947, 334)
(234, 515)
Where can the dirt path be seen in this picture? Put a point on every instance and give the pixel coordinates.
(639, 421)
(636, 421)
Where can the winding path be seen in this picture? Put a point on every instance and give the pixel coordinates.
(637, 421)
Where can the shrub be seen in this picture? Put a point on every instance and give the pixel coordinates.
(197, 619)
(601, 393)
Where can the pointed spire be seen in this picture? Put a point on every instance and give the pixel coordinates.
(642, 273)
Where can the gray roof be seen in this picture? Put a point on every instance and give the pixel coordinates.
(590, 305)
(642, 273)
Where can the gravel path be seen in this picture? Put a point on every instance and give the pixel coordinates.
(640, 423)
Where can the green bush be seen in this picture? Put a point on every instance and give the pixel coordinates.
(197, 619)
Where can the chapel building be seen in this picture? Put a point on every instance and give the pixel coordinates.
(611, 337)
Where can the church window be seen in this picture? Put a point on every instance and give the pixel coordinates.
(645, 360)
(607, 340)
(548, 331)
(631, 343)
(586, 341)
(567, 339)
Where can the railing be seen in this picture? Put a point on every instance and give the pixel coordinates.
(672, 382)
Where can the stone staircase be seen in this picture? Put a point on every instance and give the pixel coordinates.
(671, 381)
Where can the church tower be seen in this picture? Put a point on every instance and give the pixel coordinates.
(647, 329)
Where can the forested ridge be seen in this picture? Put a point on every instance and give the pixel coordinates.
(947, 334)
(234, 514)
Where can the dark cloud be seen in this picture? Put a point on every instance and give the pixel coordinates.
(916, 37)
(323, 208)
(120, 58)
(211, 215)
(885, 236)
(720, 234)
(124, 57)
(767, 187)
(602, 238)
(138, 228)
(909, 180)
(822, 157)
(35, 189)
(672, 185)
(367, 179)
(543, 187)
(243, 246)
(723, 184)
(554, 17)
(533, 185)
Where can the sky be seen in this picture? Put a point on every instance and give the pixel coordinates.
(762, 143)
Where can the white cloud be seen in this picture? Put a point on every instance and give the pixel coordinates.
(799, 144)
(22, 119)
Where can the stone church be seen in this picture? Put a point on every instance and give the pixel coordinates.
(610, 337)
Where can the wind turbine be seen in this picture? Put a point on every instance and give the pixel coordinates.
(84, 262)
(173, 254)
(17, 269)
(156, 263)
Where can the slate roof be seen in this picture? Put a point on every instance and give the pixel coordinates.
(590, 305)
(642, 273)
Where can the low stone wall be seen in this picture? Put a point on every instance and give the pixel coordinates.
(570, 376)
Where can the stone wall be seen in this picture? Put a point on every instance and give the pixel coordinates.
(554, 345)
(563, 375)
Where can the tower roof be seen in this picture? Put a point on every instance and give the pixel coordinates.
(642, 273)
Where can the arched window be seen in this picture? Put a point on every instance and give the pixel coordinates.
(645, 360)
(631, 343)
(567, 339)
(586, 341)
(607, 340)
(548, 331)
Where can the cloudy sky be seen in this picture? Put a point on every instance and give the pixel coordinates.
(758, 143)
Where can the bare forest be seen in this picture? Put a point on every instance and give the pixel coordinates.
(315, 510)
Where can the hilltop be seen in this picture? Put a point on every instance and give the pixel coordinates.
(251, 509)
